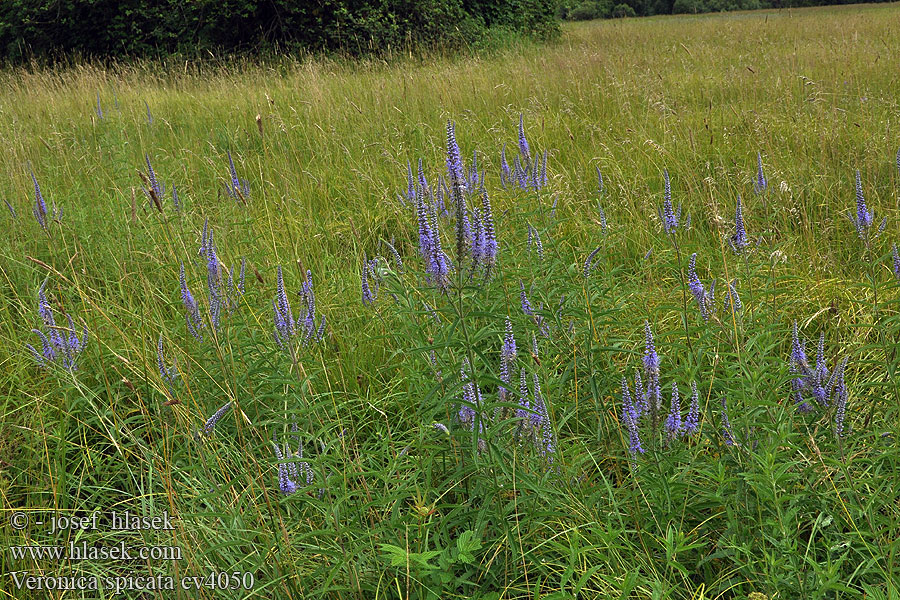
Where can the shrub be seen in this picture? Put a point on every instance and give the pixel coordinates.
(623, 10)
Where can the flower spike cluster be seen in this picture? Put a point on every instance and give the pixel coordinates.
(290, 470)
(646, 403)
(817, 383)
(529, 171)
(60, 345)
(705, 298)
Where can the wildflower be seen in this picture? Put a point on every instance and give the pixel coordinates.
(673, 421)
(284, 319)
(156, 191)
(289, 470)
(476, 240)
(238, 189)
(176, 202)
(727, 432)
(600, 189)
(40, 207)
(651, 370)
(410, 185)
(738, 241)
(168, 374)
(470, 400)
(704, 299)
(589, 262)
(896, 261)
(424, 189)
(669, 217)
(60, 346)
(732, 301)
(192, 317)
(523, 143)
(214, 283)
(211, 422)
(442, 428)
(455, 172)
(368, 298)
(760, 184)
(438, 268)
(534, 238)
(820, 378)
(692, 422)
(149, 116)
(12, 210)
(630, 418)
(504, 167)
(426, 236)
(507, 358)
(640, 396)
(539, 416)
(524, 410)
(526, 305)
(309, 318)
(864, 218)
(489, 249)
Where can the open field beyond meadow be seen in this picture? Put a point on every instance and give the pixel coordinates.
(508, 379)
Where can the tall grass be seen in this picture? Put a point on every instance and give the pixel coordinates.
(395, 506)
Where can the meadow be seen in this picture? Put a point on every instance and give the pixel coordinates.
(643, 345)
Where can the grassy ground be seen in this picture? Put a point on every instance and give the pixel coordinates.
(394, 506)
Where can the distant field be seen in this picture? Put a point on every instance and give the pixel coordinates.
(789, 492)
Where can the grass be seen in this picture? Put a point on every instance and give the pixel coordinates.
(396, 507)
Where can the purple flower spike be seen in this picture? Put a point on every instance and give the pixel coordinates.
(524, 410)
(192, 317)
(673, 421)
(40, 207)
(237, 189)
(727, 431)
(760, 185)
(211, 422)
(704, 299)
(526, 305)
(732, 301)
(169, 374)
(630, 419)
(368, 298)
(692, 422)
(864, 218)
(214, 284)
(589, 262)
(490, 237)
(739, 241)
(651, 369)
(60, 346)
(455, 172)
(669, 216)
(507, 359)
(523, 143)
(285, 329)
(504, 168)
(538, 416)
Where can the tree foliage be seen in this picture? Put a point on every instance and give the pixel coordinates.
(103, 28)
